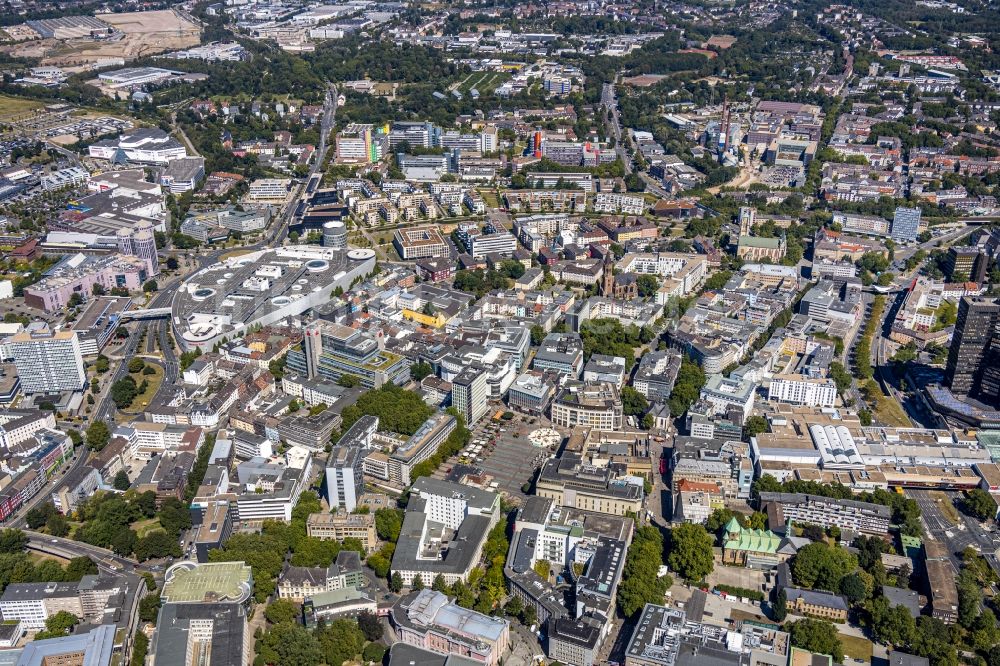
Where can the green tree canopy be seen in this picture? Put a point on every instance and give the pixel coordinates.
(281, 610)
(818, 636)
(690, 552)
(819, 566)
(641, 583)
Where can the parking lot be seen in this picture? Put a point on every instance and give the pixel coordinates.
(507, 455)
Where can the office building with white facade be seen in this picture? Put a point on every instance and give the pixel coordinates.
(802, 390)
(48, 361)
(344, 480)
(469, 393)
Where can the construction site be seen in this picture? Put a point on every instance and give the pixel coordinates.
(76, 45)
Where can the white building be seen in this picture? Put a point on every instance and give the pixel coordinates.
(344, 477)
(18, 426)
(132, 77)
(47, 361)
(613, 202)
(449, 503)
(594, 404)
(689, 270)
(152, 439)
(64, 178)
(269, 189)
(144, 146)
(469, 393)
(801, 390)
(488, 140)
(725, 392)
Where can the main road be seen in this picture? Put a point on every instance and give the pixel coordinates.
(958, 536)
(105, 559)
(610, 102)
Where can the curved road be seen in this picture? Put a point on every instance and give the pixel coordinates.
(104, 558)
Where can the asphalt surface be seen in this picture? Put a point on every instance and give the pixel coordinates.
(105, 559)
(968, 532)
(610, 102)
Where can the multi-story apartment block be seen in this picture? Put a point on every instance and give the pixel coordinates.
(419, 243)
(48, 361)
(725, 464)
(17, 426)
(441, 512)
(343, 479)
(469, 394)
(331, 350)
(273, 500)
(562, 352)
(492, 238)
(419, 447)
(531, 392)
(355, 144)
(146, 439)
(33, 603)
(343, 525)
(269, 189)
(595, 404)
(826, 511)
(862, 224)
(973, 367)
(724, 393)
(905, 224)
(802, 390)
(628, 204)
(655, 376)
(689, 270)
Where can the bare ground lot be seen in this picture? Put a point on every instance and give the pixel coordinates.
(145, 33)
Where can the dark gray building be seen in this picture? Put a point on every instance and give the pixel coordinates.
(973, 367)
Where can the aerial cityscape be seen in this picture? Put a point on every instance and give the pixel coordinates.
(495, 333)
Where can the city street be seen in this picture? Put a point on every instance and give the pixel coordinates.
(968, 532)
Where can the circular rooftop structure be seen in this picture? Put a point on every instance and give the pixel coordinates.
(261, 288)
(202, 293)
(191, 582)
(361, 254)
(545, 438)
(317, 265)
(200, 331)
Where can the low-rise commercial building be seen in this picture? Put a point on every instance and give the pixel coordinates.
(342, 525)
(595, 404)
(430, 620)
(569, 481)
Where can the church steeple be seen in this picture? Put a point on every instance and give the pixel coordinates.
(608, 278)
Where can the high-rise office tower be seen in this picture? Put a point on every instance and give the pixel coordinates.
(974, 356)
(905, 224)
(48, 361)
(344, 480)
(469, 393)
